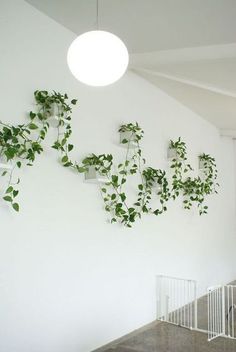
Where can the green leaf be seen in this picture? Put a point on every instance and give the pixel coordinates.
(16, 206)
(32, 115)
(81, 169)
(64, 159)
(9, 190)
(123, 197)
(74, 101)
(15, 193)
(114, 179)
(7, 198)
(68, 164)
(32, 126)
(70, 147)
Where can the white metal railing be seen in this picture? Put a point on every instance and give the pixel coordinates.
(216, 312)
(230, 311)
(222, 312)
(177, 301)
(177, 304)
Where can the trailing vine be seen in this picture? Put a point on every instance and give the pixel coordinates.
(16, 148)
(154, 183)
(114, 196)
(57, 105)
(194, 190)
(20, 144)
(179, 166)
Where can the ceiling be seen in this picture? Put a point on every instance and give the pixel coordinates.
(185, 47)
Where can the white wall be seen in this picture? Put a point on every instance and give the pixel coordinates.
(69, 281)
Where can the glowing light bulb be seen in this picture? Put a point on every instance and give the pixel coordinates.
(97, 58)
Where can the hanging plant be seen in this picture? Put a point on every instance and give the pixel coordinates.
(193, 190)
(114, 196)
(20, 144)
(154, 183)
(205, 185)
(96, 167)
(56, 106)
(17, 147)
(178, 165)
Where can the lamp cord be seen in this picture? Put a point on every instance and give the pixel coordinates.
(97, 15)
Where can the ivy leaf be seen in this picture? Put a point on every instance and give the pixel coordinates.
(16, 206)
(9, 190)
(32, 115)
(32, 126)
(70, 147)
(123, 197)
(114, 179)
(68, 164)
(7, 198)
(81, 169)
(64, 159)
(15, 193)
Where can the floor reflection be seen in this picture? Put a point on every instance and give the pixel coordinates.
(165, 337)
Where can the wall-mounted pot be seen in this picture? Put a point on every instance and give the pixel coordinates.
(91, 175)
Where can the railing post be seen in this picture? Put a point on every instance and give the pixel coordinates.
(223, 310)
(195, 306)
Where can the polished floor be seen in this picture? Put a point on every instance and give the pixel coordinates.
(164, 337)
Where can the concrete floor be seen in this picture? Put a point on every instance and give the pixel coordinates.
(164, 337)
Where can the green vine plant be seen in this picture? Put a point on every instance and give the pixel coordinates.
(179, 165)
(16, 148)
(114, 196)
(194, 190)
(154, 183)
(20, 144)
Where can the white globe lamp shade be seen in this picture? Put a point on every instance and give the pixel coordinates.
(97, 58)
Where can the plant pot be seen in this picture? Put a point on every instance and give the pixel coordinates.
(93, 176)
(129, 136)
(54, 119)
(4, 164)
(157, 188)
(171, 154)
(201, 165)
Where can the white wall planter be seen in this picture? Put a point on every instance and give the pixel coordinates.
(171, 154)
(157, 188)
(201, 164)
(53, 119)
(129, 136)
(93, 176)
